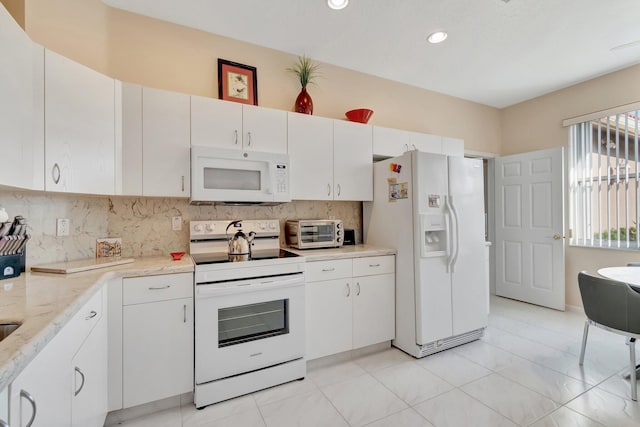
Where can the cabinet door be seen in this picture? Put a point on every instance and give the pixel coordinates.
(131, 134)
(352, 161)
(426, 142)
(47, 381)
(166, 160)
(216, 123)
(373, 310)
(79, 128)
(4, 405)
(264, 129)
(89, 379)
(311, 155)
(157, 350)
(328, 315)
(21, 92)
(389, 142)
(452, 146)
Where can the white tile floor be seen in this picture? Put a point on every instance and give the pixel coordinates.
(523, 372)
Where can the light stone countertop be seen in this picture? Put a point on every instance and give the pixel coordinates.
(349, 251)
(45, 302)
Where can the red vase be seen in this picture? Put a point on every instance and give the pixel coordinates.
(304, 104)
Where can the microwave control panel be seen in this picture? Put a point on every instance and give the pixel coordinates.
(282, 178)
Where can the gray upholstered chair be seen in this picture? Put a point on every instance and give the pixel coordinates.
(615, 307)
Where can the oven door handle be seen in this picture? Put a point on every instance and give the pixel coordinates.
(204, 291)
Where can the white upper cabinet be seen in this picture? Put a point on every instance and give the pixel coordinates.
(452, 146)
(264, 129)
(216, 123)
(21, 107)
(388, 142)
(311, 155)
(231, 125)
(330, 159)
(352, 161)
(79, 128)
(426, 142)
(166, 143)
(129, 134)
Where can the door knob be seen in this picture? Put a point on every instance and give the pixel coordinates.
(557, 236)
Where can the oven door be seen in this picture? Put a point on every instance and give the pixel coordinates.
(245, 325)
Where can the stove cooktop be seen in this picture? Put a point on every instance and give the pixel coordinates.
(222, 258)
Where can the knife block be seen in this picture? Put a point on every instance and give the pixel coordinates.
(12, 265)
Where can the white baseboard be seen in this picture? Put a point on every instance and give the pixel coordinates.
(574, 308)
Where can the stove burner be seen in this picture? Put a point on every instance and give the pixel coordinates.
(221, 258)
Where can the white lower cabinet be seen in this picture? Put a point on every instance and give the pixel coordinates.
(89, 401)
(157, 338)
(4, 407)
(350, 304)
(44, 394)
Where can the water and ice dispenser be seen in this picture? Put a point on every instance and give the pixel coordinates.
(434, 235)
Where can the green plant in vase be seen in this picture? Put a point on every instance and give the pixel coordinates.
(306, 71)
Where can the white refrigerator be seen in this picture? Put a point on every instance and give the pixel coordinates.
(430, 207)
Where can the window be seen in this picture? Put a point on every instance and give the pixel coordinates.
(604, 179)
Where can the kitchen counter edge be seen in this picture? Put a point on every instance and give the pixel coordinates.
(69, 292)
(343, 252)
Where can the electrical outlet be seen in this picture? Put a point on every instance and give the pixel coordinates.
(176, 223)
(63, 225)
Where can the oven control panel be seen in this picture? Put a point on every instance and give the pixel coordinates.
(218, 229)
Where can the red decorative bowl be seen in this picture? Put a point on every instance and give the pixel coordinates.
(177, 256)
(361, 115)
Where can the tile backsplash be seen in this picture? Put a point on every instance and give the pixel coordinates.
(143, 223)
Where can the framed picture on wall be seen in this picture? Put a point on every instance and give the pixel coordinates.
(237, 82)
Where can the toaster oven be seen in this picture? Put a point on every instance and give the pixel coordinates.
(314, 233)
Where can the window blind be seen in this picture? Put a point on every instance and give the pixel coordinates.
(604, 181)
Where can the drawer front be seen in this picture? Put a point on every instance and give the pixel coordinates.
(316, 271)
(139, 290)
(369, 266)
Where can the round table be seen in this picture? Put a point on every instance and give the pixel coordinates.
(630, 275)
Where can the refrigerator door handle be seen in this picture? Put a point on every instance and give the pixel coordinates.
(454, 257)
(450, 241)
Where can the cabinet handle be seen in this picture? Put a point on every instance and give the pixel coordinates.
(348, 290)
(374, 265)
(3, 423)
(358, 288)
(235, 137)
(184, 311)
(82, 383)
(55, 173)
(157, 288)
(27, 395)
(406, 147)
(249, 139)
(91, 315)
(414, 146)
(339, 189)
(182, 182)
(328, 189)
(329, 269)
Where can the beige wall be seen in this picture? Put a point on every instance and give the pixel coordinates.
(168, 56)
(537, 124)
(158, 54)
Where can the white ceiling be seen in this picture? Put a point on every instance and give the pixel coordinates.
(498, 53)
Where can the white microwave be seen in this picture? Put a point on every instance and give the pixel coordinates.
(220, 175)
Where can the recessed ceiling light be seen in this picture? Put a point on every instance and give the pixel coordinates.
(437, 37)
(337, 4)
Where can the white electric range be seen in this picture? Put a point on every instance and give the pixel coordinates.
(249, 311)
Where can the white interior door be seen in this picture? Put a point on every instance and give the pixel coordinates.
(530, 227)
